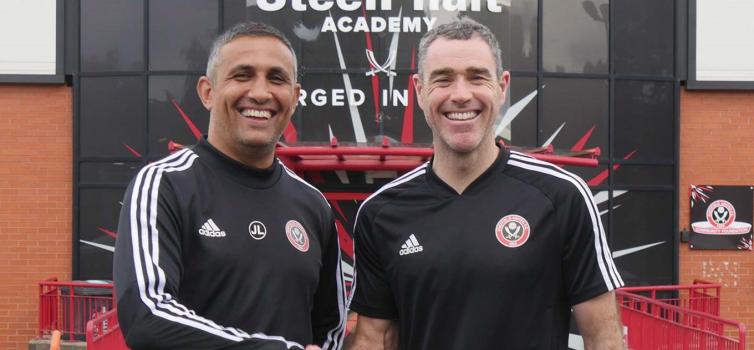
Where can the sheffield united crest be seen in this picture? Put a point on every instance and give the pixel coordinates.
(297, 235)
(721, 217)
(512, 231)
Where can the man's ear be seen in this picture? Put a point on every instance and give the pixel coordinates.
(296, 93)
(418, 86)
(204, 90)
(503, 84)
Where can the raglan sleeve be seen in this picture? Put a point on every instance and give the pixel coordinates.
(329, 309)
(372, 295)
(588, 267)
(147, 271)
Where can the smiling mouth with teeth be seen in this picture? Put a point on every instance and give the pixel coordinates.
(461, 115)
(256, 113)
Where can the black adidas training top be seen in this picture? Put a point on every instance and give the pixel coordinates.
(213, 254)
(497, 267)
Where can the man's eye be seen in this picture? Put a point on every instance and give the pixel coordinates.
(241, 76)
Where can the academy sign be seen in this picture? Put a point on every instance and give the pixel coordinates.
(378, 24)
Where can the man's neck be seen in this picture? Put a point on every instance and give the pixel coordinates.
(256, 158)
(260, 158)
(459, 170)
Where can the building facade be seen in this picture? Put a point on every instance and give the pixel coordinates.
(606, 74)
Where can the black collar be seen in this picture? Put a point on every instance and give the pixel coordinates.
(479, 183)
(238, 172)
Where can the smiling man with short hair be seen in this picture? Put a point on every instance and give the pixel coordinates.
(481, 248)
(220, 246)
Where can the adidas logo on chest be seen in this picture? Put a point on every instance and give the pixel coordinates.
(411, 246)
(210, 229)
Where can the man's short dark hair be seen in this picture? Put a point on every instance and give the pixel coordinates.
(251, 29)
(462, 29)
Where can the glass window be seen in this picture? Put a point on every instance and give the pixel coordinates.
(522, 130)
(637, 175)
(319, 49)
(519, 24)
(99, 209)
(575, 36)
(316, 48)
(107, 172)
(112, 35)
(112, 120)
(324, 107)
(234, 12)
(175, 112)
(594, 177)
(643, 221)
(181, 42)
(573, 108)
(643, 37)
(601, 198)
(644, 114)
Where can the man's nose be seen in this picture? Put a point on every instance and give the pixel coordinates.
(461, 91)
(259, 91)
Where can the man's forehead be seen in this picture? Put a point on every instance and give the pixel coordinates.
(259, 42)
(464, 54)
(249, 49)
(444, 41)
(451, 47)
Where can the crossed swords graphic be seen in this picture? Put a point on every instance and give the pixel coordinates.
(511, 233)
(376, 67)
(720, 215)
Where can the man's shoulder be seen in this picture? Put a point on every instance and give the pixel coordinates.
(303, 188)
(396, 189)
(176, 164)
(549, 178)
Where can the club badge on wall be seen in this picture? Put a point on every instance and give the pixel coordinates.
(721, 217)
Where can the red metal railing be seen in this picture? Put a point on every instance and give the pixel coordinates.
(67, 306)
(335, 156)
(684, 317)
(700, 296)
(103, 332)
(360, 157)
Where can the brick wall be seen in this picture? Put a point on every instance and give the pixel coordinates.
(35, 201)
(717, 148)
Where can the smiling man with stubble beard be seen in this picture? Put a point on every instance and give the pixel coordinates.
(220, 246)
(482, 247)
